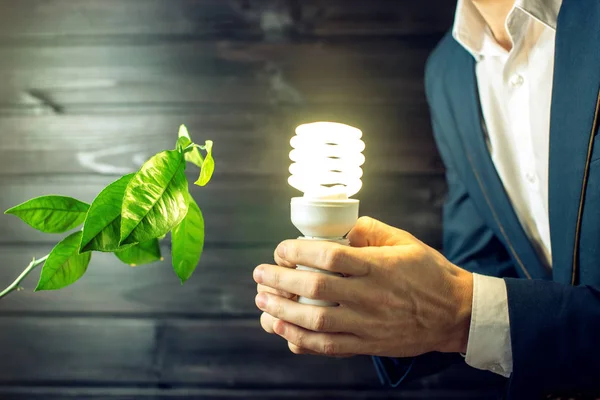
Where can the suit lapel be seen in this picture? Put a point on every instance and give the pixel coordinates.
(487, 181)
(574, 108)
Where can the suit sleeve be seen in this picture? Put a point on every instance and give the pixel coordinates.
(555, 335)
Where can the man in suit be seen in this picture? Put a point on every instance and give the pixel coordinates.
(514, 94)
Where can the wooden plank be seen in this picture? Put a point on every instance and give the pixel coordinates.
(398, 141)
(64, 18)
(60, 19)
(246, 211)
(221, 286)
(215, 73)
(77, 349)
(211, 353)
(218, 57)
(182, 353)
(377, 18)
(120, 144)
(191, 351)
(36, 393)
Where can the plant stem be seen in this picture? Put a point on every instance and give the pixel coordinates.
(15, 285)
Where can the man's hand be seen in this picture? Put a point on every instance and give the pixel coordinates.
(398, 297)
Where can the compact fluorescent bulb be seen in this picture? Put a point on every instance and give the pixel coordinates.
(327, 159)
(326, 167)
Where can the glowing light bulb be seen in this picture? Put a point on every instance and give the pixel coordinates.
(326, 167)
(326, 160)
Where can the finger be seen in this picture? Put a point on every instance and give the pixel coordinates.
(328, 344)
(309, 284)
(282, 262)
(315, 318)
(267, 321)
(299, 350)
(281, 293)
(371, 232)
(324, 255)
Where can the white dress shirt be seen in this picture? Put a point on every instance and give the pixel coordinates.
(515, 90)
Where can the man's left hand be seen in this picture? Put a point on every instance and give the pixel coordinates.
(398, 297)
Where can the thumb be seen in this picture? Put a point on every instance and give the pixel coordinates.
(371, 232)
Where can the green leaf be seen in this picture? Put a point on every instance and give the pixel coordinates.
(193, 156)
(102, 227)
(182, 143)
(155, 198)
(187, 240)
(64, 265)
(51, 214)
(208, 167)
(141, 253)
(183, 132)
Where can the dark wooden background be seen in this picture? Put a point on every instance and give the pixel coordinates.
(90, 89)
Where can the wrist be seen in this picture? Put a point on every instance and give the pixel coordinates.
(457, 336)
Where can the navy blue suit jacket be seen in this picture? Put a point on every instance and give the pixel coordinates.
(554, 313)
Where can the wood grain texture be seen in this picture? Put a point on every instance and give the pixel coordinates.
(265, 19)
(196, 353)
(222, 285)
(214, 72)
(257, 394)
(90, 89)
(88, 350)
(60, 393)
(251, 143)
(183, 353)
(242, 211)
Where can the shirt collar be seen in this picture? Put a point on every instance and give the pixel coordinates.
(545, 11)
(472, 32)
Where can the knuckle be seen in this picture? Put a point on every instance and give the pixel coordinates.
(365, 223)
(419, 253)
(317, 287)
(320, 321)
(274, 277)
(299, 339)
(275, 307)
(387, 301)
(329, 347)
(332, 256)
(292, 251)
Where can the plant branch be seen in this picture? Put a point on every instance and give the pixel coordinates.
(15, 285)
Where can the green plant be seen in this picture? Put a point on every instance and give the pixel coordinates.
(128, 218)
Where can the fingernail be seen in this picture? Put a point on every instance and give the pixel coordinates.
(261, 301)
(258, 275)
(281, 251)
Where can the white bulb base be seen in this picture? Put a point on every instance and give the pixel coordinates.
(327, 220)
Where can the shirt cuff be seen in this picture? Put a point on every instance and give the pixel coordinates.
(489, 346)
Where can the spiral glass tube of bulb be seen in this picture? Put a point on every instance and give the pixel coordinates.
(326, 160)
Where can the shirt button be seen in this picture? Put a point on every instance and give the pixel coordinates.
(516, 80)
(530, 177)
